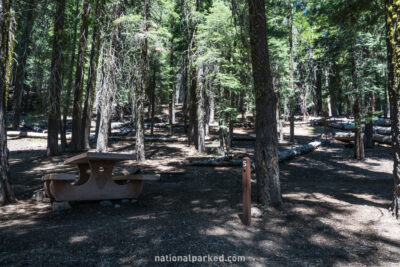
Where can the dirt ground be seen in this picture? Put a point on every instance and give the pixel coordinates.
(335, 212)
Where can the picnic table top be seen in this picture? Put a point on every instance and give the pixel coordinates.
(85, 157)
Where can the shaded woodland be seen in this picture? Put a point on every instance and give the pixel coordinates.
(194, 86)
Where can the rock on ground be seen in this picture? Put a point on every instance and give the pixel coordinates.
(256, 212)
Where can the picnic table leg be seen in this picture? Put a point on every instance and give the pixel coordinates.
(83, 173)
(101, 172)
(47, 190)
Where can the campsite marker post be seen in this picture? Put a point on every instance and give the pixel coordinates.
(246, 185)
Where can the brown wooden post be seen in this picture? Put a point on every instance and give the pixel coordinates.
(246, 185)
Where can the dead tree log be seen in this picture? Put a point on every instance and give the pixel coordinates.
(153, 138)
(344, 136)
(297, 151)
(383, 130)
(30, 135)
(348, 137)
(383, 122)
(229, 161)
(32, 127)
(382, 139)
(351, 127)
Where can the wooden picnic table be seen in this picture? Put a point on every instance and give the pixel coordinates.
(95, 180)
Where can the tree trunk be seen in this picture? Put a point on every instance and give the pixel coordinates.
(91, 80)
(23, 53)
(359, 144)
(222, 137)
(393, 47)
(279, 121)
(369, 127)
(185, 96)
(153, 96)
(267, 166)
(201, 146)
(328, 104)
(6, 191)
(318, 89)
(106, 93)
(174, 86)
(211, 98)
(76, 142)
(70, 81)
(333, 91)
(193, 133)
(56, 82)
(386, 101)
(291, 74)
(291, 119)
(139, 146)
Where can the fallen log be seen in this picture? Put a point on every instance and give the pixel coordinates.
(382, 139)
(342, 126)
(344, 137)
(153, 138)
(351, 127)
(383, 130)
(348, 137)
(228, 161)
(285, 123)
(383, 122)
(23, 134)
(219, 161)
(243, 138)
(300, 150)
(31, 127)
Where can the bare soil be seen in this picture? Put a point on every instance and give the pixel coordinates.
(335, 212)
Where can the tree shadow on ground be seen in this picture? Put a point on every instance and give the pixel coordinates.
(199, 216)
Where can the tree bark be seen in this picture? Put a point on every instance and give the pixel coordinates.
(70, 81)
(153, 95)
(328, 104)
(172, 95)
(193, 132)
(291, 74)
(267, 166)
(23, 53)
(393, 53)
(139, 146)
(359, 143)
(201, 146)
(76, 142)
(318, 89)
(92, 78)
(56, 81)
(6, 191)
(106, 93)
(369, 127)
(185, 96)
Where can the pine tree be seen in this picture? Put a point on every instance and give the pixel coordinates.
(6, 191)
(56, 81)
(393, 48)
(266, 154)
(76, 142)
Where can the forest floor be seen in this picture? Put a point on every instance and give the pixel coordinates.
(335, 212)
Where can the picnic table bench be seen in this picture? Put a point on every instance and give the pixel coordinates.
(95, 180)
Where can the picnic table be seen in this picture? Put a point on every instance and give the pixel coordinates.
(95, 180)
